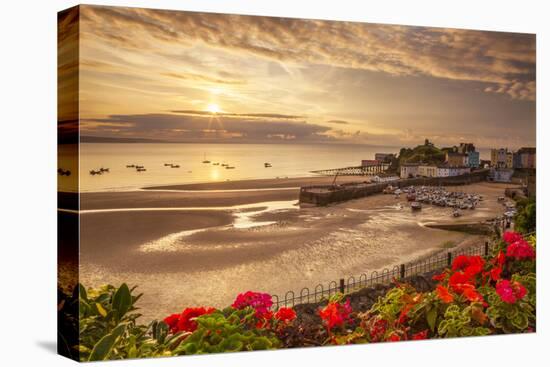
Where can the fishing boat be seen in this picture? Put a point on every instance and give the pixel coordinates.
(104, 169)
(175, 166)
(229, 167)
(167, 164)
(267, 164)
(94, 172)
(139, 167)
(141, 170)
(130, 166)
(216, 164)
(205, 160)
(416, 206)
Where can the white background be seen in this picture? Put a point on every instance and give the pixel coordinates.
(28, 181)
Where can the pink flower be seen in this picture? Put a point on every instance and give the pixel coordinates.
(261, 302)
(510, 292)
(511, 237)
(520, 250)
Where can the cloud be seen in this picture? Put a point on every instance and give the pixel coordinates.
(201, 126)
(226, 114)
(496, 58)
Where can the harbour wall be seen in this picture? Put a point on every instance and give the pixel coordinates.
(328, 194)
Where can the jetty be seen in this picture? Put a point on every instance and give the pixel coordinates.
(368, 169)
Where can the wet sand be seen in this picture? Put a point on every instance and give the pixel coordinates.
(294, 182)
(191, 257)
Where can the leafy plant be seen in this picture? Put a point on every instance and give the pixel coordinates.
(229, 330)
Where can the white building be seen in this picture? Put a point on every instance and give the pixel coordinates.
(427, 171)
(409, 170)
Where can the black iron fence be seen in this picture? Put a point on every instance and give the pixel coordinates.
(384, 276)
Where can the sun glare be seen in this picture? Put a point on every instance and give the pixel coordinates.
(213, 108)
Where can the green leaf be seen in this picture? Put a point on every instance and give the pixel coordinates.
(82, 292)
(100, 309)
(122, 300)
(102, 349)
(431, 317)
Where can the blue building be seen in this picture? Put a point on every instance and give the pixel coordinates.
(473, 159)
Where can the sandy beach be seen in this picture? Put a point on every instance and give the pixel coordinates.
(203, 245)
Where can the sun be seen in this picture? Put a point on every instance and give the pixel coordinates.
(213, 108)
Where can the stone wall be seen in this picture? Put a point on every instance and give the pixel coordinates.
(325, 195)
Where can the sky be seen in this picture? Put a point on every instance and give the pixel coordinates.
(200, 77)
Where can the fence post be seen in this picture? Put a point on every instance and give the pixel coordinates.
(402, 271)
(342, 286)
(486, 248)
(449, 258)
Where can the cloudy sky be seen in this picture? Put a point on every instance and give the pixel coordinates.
(185, 76)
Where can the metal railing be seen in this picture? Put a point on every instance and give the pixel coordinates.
(384, 276)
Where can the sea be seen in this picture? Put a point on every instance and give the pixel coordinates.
(286, 160)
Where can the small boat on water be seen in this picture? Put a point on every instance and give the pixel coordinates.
(139, 167)
(167, 164)
(205, 160)
(216, 164)
(411, 196)
(130, 166)
(175, 166)
(224, 165)
(94, 172)
(456, 213)
(229, 167)
(415, 205)
(104, 169)
(267, 164)
(141, 170)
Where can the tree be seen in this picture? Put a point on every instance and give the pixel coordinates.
(526, 218)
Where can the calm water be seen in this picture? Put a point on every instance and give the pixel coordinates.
(288, 160)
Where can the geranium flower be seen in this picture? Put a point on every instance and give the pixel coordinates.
(421, 335)
(520, 250)
(285, 314)
(510, 292)
(440, 277)
(460, 262)
(187, 318)
(394, 337)
(443, 294)
(185, 321)
(172, 322)
(336, 314)
(511, 237)
(261, 302)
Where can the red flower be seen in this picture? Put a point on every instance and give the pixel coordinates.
(186, 320)
(378, 329)
(285, 314)
(336, 314)
(172, 322)
(501, 258)
(460, 262)
(511, 237)
(420, 335)
(471, 293)
(394, 337)
(439, 277)
(520, 250)
(510, 292)
(495, 273)
(443, 294)
(457, 279)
